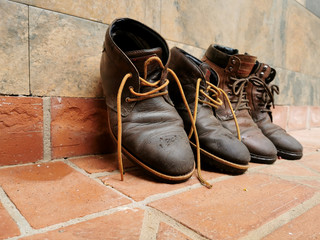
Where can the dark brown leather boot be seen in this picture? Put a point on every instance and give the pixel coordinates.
(233, 70)
(142, 119)
(261, 96)
(219, 148)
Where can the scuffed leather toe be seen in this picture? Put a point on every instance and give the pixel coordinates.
(261, 148)
(288, 147)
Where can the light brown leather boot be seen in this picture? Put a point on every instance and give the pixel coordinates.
(220, 150)
(233, 70)
(260, 94)
(142, 119)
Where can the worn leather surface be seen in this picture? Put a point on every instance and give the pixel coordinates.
(152, 130)
(213, 137)
(260, 105)
(239, 66)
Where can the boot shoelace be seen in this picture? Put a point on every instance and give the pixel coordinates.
(151, 94)
(214, 101)
(239, 89)
(267, 96)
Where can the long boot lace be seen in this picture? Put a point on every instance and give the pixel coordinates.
(151, 94)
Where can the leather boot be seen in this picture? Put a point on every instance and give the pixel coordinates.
(233, 70)
(220, 150)
(260, 93)
(142, 119)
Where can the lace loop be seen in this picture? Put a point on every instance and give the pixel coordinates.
(217, 102)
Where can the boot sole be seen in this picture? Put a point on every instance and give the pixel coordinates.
(155, 173)
(212, 162)
(262, 159)
(289, 155)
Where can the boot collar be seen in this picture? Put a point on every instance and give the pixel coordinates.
(240, 65)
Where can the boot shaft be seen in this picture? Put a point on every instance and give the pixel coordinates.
(230, 67)
(261, 92)
(128, 44)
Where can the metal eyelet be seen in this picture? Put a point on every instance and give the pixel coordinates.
(127, 99)
(265, 67)
(261, 74)
(233, 61)
(230, 69)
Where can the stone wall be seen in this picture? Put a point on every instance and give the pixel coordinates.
(50, 53)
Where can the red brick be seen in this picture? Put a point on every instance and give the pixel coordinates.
(50, 193)
(139, 185)
(167, 232)
(79, 127)
(235, 206)
(306, 226)
(21, 130)
(121, 225)
(314, 116)
(101, 163)
(280, 116)
(8, 228)
(297, 117)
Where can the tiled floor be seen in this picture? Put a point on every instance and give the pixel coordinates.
(83, 198)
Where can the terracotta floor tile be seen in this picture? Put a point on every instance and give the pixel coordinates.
(312, 161)
(138, 185)
(288, 168)
(121, 225)
(167, 232)
(235, 206)
(50, 193)
(306, 226)
(308, 138)
(101, 163)
(8, 228)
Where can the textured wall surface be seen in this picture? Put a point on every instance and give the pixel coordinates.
(57, 44)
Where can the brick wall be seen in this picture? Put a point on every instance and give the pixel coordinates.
(51, 100)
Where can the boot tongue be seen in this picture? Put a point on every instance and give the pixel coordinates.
(246, 65)
(209, 74)
(138, 58)
(264, 72)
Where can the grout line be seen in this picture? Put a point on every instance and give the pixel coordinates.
(283, 219)
(75, 167)
(160, 196)
(29, 55)
(308, 117)
(46, 128)
(74, 221)
(150, 226)
(154, 217)
(61, 12)
(288, 118)
(22, 223)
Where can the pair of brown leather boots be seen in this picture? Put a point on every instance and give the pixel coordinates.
(167, 108)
